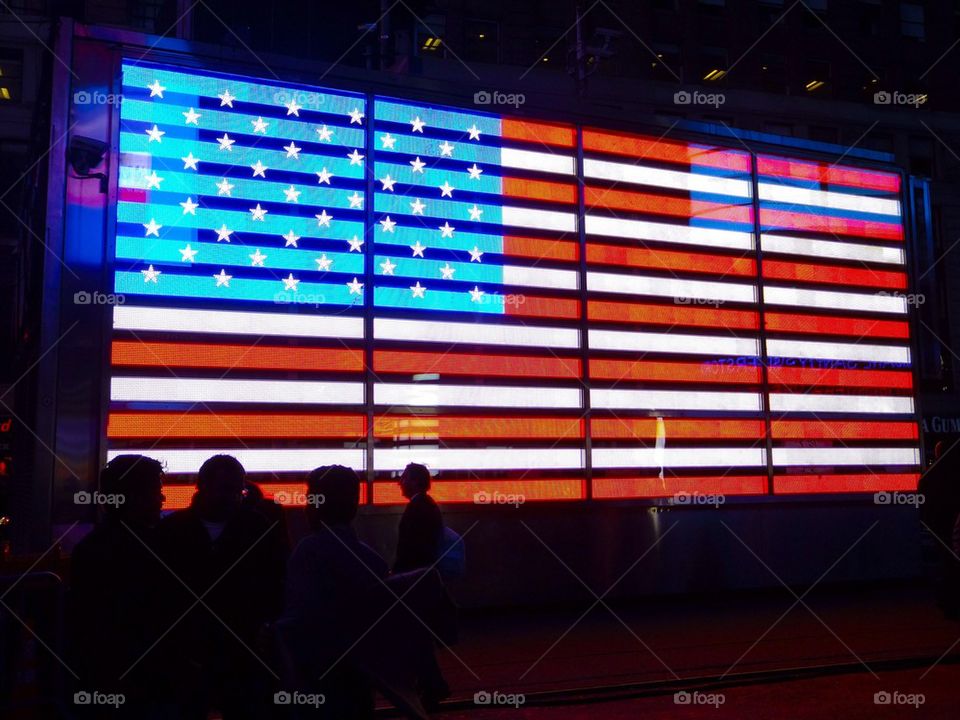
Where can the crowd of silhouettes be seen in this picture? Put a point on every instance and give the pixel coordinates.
(207, 609)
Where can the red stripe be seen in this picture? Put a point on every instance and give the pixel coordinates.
(538, 132)
(665, 205)
(476, 427)
(132, 195)
(828, 325)
(676, 428)
(178, 425)
(543, 307)
(137, 353)
(785, 219)
(626, 312)
(639, 146)
(609, 488)
(404, 361)
(842, 430)
(654, 370)
(541, 248)
(495, 492)
(178, 497)
(840, 377)
(539, 190)
(833, 274)
(796, 484)
(669, 260)
(823, 172)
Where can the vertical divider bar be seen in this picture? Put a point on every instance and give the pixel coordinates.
(584, 319)
(368, 283)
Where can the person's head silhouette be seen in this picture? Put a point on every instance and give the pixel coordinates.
(220, 484)
(138, 480)
(333, 496)
(414, 480)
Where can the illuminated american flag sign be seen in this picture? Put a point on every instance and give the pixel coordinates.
(315, 276)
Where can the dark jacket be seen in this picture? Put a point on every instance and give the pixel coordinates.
(420, 534)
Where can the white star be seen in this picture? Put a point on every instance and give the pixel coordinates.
(323, 220)
(187, 254)
(156, 90)
(155, 133)
(417, 124)
(417, 206)
(356, 116)
(150, 275)
(152, 228)
(258, 213)
(474, 132)
(387, 267)
(388, 182)
(224, 187)
(417, 290)
(355, 287)
(474, 172)
(323, 263)
(293, 195)
(292, 150)
(356, 244)
(324, 133)
(190, 162)
(355, 157)
(259, 126)
(290, 282)
(223, 233)
(388, 141)
(226, 143)
(475, 254)
(446, 190)
(475, 212)
(291, 239)
(259, 169)
(418, 249)
(418, 165)
(153, 180)
(257, 258)
(226, 99)
(223, 280)
(356, 200)
(476, 295)
(446, 149)
(446, 230)
(293, 108)
(191, 117)
(447, 272)
(189, 207)
(387, 224)
(324, 177)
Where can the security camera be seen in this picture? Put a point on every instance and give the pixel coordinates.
(84, 154)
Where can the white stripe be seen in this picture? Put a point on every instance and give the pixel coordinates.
(128, 317)
(531, 160)
(826, 199)
(825, 249)
(663, 232)
(432, 331)
(782, 402)
(216, 390)
(258, 460)
(672, 343)
(673, 400)
(678, 457)
(846, 456)
(864, 302)
(479, 459)
(540, 277)
(838, 351)
(640, 175)
(683, 290)
(432, 395)
(541, 219)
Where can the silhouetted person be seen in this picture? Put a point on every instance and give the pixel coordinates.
(229, 557)
(421, 527)
(116, 590)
